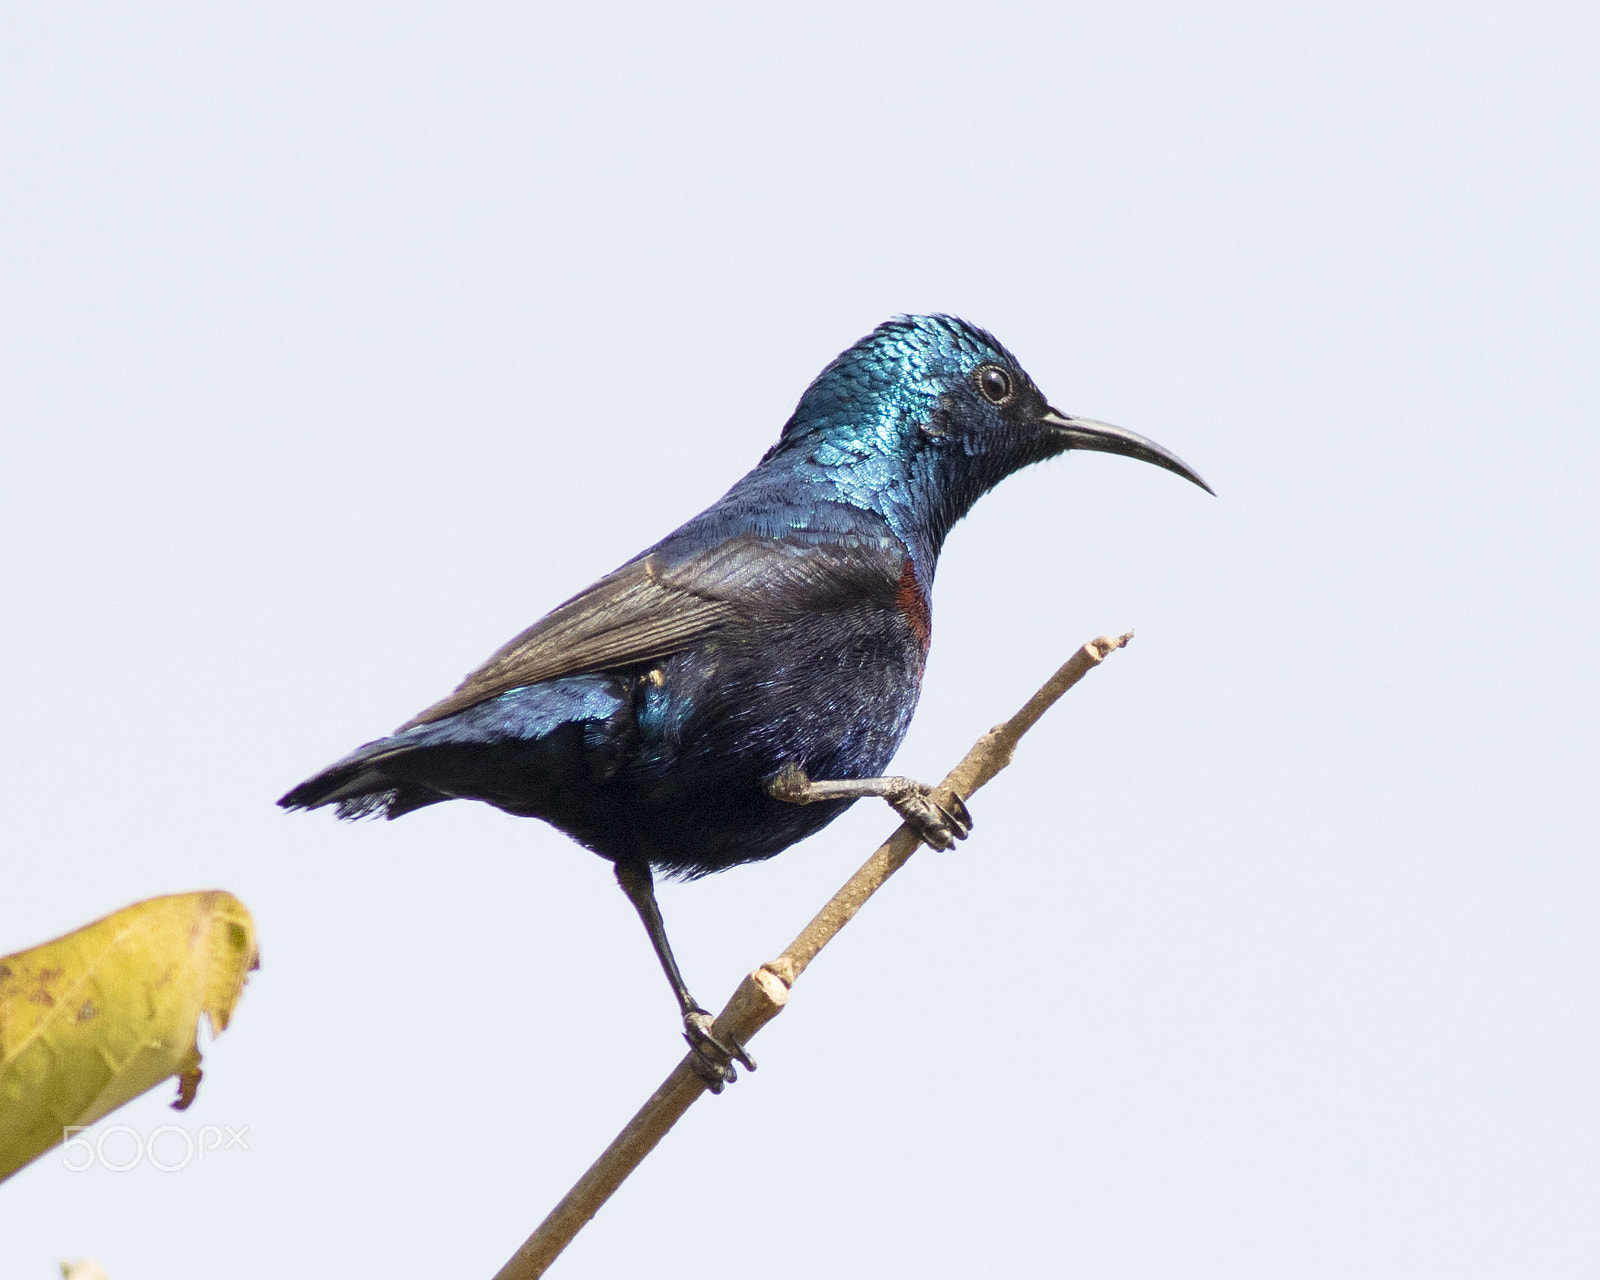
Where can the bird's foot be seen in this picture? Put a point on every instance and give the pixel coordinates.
(939, 819)
(712, 1056)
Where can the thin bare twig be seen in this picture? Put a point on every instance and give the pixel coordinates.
(763, 993)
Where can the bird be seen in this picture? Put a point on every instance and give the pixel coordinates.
(734, 688)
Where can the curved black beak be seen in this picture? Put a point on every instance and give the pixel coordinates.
(1102, 437)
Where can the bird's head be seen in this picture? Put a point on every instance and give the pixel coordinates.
(928, 413)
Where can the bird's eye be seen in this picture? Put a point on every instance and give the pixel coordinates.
(995, 383)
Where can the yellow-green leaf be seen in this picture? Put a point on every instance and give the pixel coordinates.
(95, 1018)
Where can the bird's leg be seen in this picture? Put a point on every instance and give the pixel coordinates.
(713, 1057)
(938, 823)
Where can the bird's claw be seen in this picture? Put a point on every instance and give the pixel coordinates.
(938, 819)
(712, 1056)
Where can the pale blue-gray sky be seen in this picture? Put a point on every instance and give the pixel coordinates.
(340, 342)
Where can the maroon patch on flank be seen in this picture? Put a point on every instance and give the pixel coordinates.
(914, 605)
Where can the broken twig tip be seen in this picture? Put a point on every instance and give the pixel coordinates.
(1099, 648)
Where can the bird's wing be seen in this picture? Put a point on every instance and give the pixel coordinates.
(659, 605)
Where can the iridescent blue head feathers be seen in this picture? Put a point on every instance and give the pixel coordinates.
(894, 378)
(921, 418)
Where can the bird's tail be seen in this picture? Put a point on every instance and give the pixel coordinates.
(516, 751)
(360, 787)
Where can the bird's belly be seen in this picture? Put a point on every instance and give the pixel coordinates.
(711, 725)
